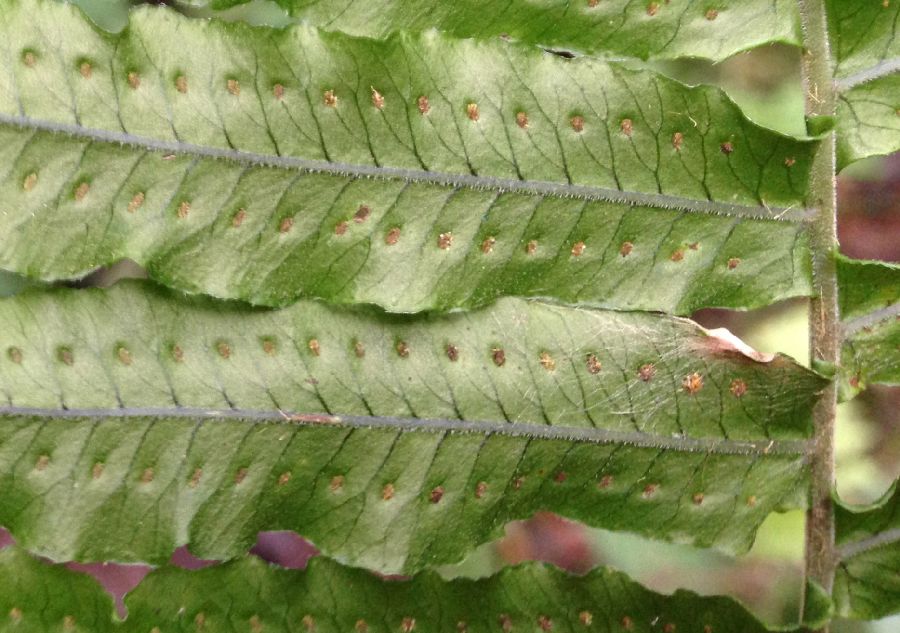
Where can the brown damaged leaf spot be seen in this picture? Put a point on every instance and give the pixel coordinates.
(195, 477)
(733, 263)
(362, 214)
(184, 210)
(545, 623)
(423, 105)
(712, 14)
(487, 246)
(15, 355)
(727, 147)
(402, 349)
(586, 618)
(313, 345)
(522, 120)
(625, 249)
(124, 355)
(649, 490)
(437, 494)
(472, 112)
(498, 356)
(578, 123)
(652, 9)
(481, 489)
(593, 364)
(286, 225)
(627, 127)
(81, 191)
(677, 140)
(452, 352)
(337, 484)
(387, 493)
(646, 372)
(86, 70)
(392, 237)
(605, 482)
(65, 356)
(377, 99)
(278, 91)
(738, 387)
(224, 349)
(29, 59)
(134, 80)
(329, 99)
(240, 476)
(359, 349)
(547, 361)
(137, 201)
(29, 181)
(578, 249)
(341, 227)
(531, 247)
(284, 477)
(692, 383)
(408, 625)
(445, 241)
(181, 84)
(233, 86)
(42, 462)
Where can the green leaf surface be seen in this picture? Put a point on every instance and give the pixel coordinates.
(290, 163)
(870, 307)
(659, 30)
(248, 595)
(866, 584)
(867, 51)
(36, 597)
(864, 35)
(137, 421)
(866, 286)
(869, 120)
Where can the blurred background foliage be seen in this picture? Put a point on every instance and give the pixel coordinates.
(766, 84)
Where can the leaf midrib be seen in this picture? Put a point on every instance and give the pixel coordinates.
(879, 70)
(719, 446)
(876, 317)
(530, 187)
(881, 539)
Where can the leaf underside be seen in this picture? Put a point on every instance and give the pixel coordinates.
(644, 30)
(573, 179)
(131, 403)
(248, 595)
(867, 52)
(870, 305)
(866, 583)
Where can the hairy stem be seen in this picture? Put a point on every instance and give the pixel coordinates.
(824, 318)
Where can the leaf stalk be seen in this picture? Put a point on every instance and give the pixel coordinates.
(824, 317)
